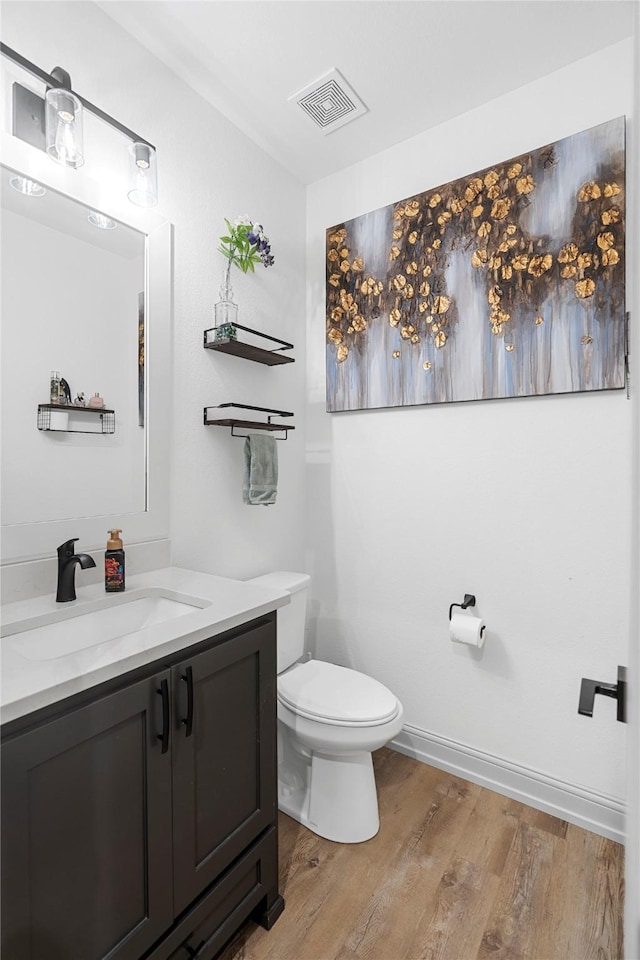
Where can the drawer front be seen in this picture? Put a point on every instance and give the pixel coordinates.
(226, 906)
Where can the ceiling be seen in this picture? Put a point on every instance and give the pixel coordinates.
(414, 63)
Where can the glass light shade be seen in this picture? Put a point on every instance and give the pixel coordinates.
(101, 221)
(63, 121)
(29, 188)
(143, 188)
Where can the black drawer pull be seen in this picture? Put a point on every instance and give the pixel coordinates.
(188, 720)
(164, 736)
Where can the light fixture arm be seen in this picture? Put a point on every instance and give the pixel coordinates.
(60, 78)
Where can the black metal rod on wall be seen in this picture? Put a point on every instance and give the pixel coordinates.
(51, 81)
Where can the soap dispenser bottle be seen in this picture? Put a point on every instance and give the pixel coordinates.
(114, 563)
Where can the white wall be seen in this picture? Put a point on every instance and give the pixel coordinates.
(523, 502)
(207, 170)
(632, 853)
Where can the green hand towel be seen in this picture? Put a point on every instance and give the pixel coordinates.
(260, 485)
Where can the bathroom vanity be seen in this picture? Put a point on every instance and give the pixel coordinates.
(139, 773)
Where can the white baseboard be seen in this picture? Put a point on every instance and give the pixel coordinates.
(597, 812)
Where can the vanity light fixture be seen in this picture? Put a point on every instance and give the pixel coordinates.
(54, 124)
(63, 122)
(143, 189)
(101, 221)
(29, 188)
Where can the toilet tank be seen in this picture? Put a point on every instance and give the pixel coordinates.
(291, 619)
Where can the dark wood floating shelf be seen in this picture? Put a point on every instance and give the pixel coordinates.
(73, 408)
(45, 410)
(236, 423)
(271, 357)
(248, 424)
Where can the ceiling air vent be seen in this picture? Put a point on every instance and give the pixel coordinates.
(329, 101)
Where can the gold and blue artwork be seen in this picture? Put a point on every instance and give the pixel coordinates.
(505, 283)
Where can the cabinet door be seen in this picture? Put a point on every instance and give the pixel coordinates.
(224, 762)
(86, 831)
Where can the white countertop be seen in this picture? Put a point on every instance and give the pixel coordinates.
(29, 684)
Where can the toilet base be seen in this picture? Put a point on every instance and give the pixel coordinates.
(335, 798)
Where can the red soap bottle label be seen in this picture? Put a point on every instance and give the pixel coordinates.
(114, 572)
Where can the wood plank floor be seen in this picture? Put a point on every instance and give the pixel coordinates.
(456, 872)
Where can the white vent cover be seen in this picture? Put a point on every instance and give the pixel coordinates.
(329, 101)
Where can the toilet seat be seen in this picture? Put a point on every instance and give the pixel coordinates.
(336, 695)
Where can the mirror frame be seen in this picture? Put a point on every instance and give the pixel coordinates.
(34, 541)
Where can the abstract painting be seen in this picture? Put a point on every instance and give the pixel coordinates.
(506, 283)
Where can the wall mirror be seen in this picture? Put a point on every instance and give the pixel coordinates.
(83, 316)
(86, 291)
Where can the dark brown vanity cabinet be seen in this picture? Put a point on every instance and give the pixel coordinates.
(86, 849)
(141, 823)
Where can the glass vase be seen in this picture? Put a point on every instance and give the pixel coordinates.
(226, 311)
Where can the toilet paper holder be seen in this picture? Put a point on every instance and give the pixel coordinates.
(469, 601)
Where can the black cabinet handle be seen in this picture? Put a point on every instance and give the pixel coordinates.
(589, 689)
(164, 736)
(188, 720)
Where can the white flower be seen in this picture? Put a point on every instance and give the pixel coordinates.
(244, 221)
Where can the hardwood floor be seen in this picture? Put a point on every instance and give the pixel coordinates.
(455, 873)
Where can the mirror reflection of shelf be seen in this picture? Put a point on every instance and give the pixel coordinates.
(229, 418)
(246, 349)
(69, 418)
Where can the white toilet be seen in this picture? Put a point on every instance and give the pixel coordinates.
(330, 718)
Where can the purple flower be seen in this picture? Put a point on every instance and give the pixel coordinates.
(246, 244)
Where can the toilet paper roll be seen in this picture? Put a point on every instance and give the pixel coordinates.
(466, 629)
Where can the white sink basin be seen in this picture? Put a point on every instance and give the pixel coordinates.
(71, 630)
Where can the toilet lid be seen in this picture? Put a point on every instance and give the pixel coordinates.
(325, 691)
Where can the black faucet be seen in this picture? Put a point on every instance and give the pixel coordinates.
(67, 561)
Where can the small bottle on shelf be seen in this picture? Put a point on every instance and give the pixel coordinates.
(54, 387)
(64, 392)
